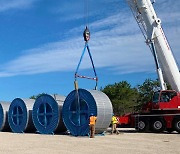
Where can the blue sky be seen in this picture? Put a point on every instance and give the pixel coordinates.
(41, 43)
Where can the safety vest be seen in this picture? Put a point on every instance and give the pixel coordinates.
(92, 120)
(114, 120)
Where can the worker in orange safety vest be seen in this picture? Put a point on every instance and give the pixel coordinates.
(114, 122)
(92, 123)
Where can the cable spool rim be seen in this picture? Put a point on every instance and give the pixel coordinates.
(18, 116)
(83, 129)
(79, 113)
(44, 114)
(39, 109)
(1, 117)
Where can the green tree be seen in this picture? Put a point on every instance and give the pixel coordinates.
(147, 89)
(36, 96)
(122, 96)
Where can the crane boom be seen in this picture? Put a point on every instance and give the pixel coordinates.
(163, 112)
(150, 25)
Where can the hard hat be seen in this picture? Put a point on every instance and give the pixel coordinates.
(91, 114)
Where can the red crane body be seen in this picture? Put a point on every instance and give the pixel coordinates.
(163, 113)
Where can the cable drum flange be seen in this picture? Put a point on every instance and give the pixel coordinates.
(47, 116)
(20, 115)
(76, 114)
(4, 125)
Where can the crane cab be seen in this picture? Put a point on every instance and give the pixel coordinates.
(166, 100)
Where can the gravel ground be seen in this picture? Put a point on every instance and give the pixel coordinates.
(128, 142)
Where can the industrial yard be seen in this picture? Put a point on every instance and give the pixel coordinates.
(128, 142)
(40, 53)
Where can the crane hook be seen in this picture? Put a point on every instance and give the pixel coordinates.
(86, 34)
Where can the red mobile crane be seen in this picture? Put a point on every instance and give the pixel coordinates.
(163, 113)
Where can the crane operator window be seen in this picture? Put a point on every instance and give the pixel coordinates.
(156, 97)
(167, 96)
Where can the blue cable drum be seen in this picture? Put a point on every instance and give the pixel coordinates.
(76, 113)
(20, 115)
(47, 116)
(4, 125)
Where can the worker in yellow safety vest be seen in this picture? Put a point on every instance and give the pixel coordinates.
(92, 123)
(114, 122)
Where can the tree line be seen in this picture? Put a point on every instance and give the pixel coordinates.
(126, 98)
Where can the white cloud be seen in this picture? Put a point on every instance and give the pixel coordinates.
(15, 4)
(116, 43)
(109, 49)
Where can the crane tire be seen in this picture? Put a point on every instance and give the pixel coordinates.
(176, 124)
(142, 125)
(158, 125)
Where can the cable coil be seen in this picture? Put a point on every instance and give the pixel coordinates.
(47, 114)
(4, 125)
(20, 115)
(76, 113)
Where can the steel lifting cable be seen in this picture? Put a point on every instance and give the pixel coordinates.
(90, 56)
(86, 36)
(82, 76)
(86, 13)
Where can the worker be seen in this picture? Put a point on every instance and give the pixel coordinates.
(114, 122)
(92, 122)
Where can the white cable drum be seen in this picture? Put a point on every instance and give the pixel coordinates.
(60, 100)
(4, 107)
(76, 113)
(104, 110)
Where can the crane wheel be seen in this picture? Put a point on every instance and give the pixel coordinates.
(142, 125)
(158, 125)
(176, 125)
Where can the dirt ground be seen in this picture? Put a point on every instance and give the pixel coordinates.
(128, 142)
